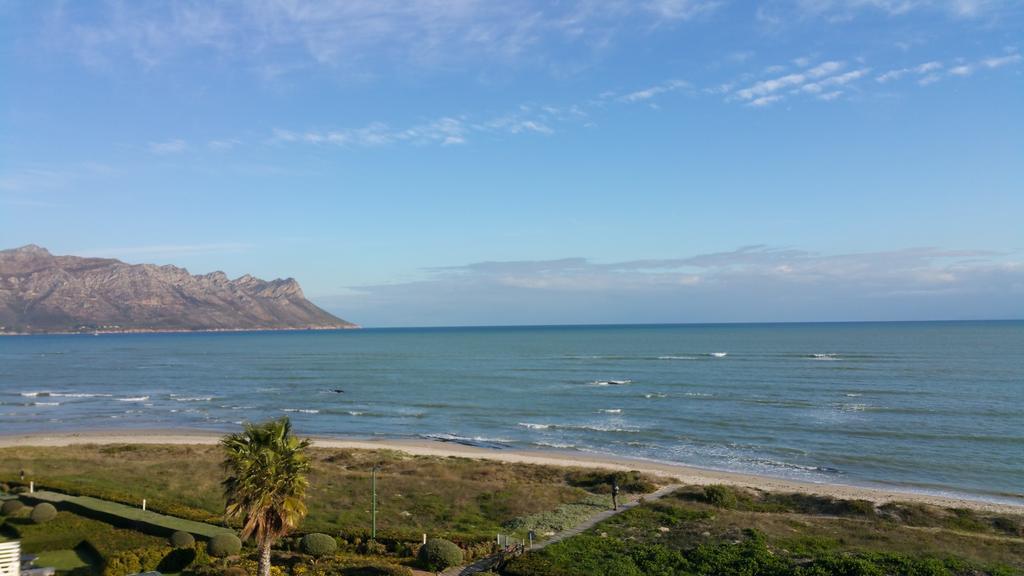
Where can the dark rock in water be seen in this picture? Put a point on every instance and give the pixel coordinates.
(40, 292)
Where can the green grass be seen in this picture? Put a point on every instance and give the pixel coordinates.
(730, 531)
(458, 498)
(66, 560)
(121, 514)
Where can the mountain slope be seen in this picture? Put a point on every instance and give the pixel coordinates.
(40, 292)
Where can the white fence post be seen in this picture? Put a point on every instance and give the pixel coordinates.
(143, 504)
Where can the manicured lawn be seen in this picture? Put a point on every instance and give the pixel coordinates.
(66, 560)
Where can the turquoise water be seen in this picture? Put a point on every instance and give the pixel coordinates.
(926, 406)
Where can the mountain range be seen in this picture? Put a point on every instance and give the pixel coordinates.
(41, 292)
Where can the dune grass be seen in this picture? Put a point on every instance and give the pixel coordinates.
(453, 497)
(725, 530)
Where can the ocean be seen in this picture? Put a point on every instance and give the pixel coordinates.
(931, 406)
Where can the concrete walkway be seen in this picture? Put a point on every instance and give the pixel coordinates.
(484, 564)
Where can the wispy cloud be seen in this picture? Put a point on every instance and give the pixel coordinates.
(343, 33)
(743, 284)
(169, 251)
(652, 91)
(175, 146)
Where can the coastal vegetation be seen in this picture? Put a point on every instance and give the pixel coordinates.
(727, 531)
(462, 503)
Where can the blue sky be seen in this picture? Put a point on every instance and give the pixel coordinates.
(468, 162)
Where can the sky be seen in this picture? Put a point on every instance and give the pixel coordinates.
(427, 162)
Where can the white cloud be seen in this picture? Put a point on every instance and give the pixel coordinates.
(651, 92)
(751, 283)
(175, 146)
(999, 62)
(282, 36)
(764, 101)
(962, 70)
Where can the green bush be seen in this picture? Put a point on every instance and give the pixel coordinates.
(721, 496)
(10, 507)
(438, 554)
(373, 548)
(43, 513)
(235, 571)
(318, 545)
(182, 539)
(600, 482)
(224, 545)
(135, 561)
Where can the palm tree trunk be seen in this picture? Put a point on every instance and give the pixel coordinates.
(263, 567)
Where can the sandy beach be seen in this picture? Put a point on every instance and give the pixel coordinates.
(684, 474)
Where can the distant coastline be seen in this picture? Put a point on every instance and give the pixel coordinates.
(178, 331)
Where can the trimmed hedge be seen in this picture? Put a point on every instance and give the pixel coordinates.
(135, 561)
(318, 545)
(438, 554)
(43, 513)
(224, 545)
(182, 539)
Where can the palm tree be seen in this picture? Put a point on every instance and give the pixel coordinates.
(266, 483)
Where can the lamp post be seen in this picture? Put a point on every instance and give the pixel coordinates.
(373, 505)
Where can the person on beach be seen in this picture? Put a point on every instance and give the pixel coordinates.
(615, 494)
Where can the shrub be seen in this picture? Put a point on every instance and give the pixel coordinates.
(373, 548)
(181, 539)
(43, 513)
(600, 482)
(10, 507)
(318, 545)
(721, 496)
(438, 554)
(135, 561)
(224, 545)
(236, 571)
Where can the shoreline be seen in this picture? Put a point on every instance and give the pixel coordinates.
(180, 331)
(422, 447)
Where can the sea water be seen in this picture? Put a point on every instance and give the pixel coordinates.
(935, 406)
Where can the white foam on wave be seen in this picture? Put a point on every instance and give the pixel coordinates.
(591, 427)
(698, 394)
(301, 410)
(46, 403)
(718, 354)
(79, 395)
(670, 357)
(34, 394)
(193, 398)
(853, 394)
(355, 413)
(611, 382)
(558, 445)
(610, 410)
(825, 356)
(134, 399)
(656, 395)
